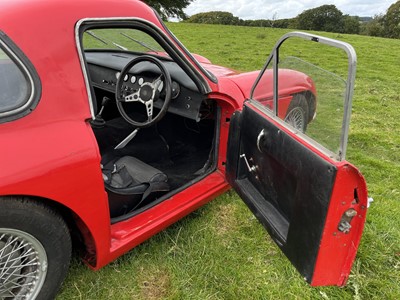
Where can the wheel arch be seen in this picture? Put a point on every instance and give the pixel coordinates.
(81, 236)
(312, 104)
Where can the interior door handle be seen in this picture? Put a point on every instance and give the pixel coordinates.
(260, 139)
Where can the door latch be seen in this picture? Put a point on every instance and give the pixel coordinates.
(249, 167)
(344, 224)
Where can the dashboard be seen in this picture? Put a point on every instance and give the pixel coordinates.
(105, 67)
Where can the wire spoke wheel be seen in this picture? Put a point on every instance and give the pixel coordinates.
(296, 118)
(23, 265)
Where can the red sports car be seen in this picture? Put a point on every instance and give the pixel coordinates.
(110, 131)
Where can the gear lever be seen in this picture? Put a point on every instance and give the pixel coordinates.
(104, 102)
(98, 120)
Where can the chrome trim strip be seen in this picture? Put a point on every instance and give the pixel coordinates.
(31, 82)
(275, 81)
(83, 66)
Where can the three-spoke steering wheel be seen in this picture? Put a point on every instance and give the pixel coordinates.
(147, 92)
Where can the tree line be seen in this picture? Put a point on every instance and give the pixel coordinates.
(323, 18)
(169, 8)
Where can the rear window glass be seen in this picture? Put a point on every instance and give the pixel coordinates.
(14, 85)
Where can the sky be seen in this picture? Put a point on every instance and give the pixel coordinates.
(281, 9)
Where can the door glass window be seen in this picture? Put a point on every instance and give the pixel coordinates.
(313, 91)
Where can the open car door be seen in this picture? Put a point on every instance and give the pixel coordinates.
(286, 157)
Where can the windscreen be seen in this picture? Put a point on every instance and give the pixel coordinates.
(126, 39)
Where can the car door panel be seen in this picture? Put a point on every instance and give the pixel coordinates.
(289, 185)
(293, 175)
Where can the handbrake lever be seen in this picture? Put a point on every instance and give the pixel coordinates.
(127, 139)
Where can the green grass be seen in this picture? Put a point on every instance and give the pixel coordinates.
(221, 251)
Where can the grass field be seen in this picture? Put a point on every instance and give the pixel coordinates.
(221, 251)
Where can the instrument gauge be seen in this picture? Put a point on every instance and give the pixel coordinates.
(133, 79)
(117, 74)
(176, 90)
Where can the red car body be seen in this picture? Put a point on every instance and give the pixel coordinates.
(51, 156)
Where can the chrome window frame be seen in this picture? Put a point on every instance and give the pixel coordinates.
(348, 97)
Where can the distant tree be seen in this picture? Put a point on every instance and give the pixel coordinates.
(293, 23)
(246, 22)
(282, 23)
(322, 18)
(169, 8)
(365, 19)
(351, 24)
(373, 27)
(260, 23)
(391, 21)
(215, 17)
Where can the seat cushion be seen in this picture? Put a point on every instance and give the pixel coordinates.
(130, 171)
(130, 183)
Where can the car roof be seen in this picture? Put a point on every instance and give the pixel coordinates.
(36, 24)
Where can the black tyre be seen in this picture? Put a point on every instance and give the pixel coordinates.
(35, 250)
(297, 113)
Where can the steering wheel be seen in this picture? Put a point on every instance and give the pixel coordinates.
(147, 93)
